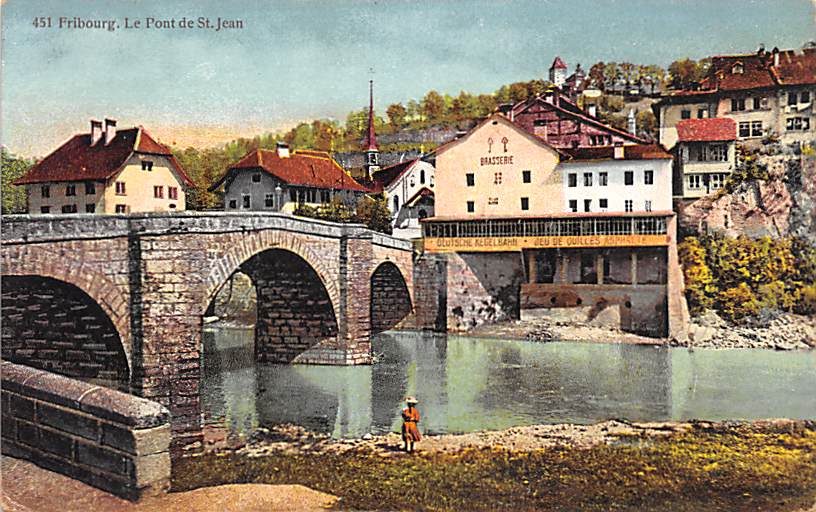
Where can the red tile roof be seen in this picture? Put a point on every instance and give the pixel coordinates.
(77, 160)
(558, 64)
(704, 130)
(758, 71)
(633, 152)
(315, 169)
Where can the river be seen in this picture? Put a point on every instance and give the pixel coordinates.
(468, 384)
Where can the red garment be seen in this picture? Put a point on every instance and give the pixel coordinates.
(410, 418)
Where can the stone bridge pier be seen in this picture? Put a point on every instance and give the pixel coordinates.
(120, 299)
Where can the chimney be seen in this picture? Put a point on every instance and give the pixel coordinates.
(282, 149)
(618, 151)
(775, 53)
(632, 122)
(593, 110)
(96, 131)
(110, 130)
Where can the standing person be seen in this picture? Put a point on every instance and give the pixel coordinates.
(410, 418)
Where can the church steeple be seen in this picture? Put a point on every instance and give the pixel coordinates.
(372, 164)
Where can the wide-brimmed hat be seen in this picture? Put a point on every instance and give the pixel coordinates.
(411, 400)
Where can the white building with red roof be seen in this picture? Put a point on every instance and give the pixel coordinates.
(558, 72)
(765, 93)
(409, 191)
(281, 180)
(107, 171)
(705, 155)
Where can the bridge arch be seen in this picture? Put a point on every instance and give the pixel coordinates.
(112, 300)
(258, 242)
(390, 297)
(54, 325)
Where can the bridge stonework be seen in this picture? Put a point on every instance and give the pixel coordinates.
(155, 275)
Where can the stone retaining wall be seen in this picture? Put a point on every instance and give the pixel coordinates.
(111, 440)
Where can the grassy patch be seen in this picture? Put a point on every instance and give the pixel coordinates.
(741, 468)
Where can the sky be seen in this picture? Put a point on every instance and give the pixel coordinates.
(300, 60)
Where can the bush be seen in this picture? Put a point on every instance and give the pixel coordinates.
(738, 303)
(776, 296)
(699, 281)
(373, 212)
(806, 300)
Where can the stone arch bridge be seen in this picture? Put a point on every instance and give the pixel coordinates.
(122, 298)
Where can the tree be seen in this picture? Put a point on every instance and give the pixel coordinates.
(396, 115)
(14, 198)
(683, 73)
(646, 124)
(596, 76)
(433, 107)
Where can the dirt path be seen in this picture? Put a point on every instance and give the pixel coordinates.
(29, 488)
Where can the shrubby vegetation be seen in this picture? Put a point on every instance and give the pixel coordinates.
(739, 277)
(14, 199)
(373, 212)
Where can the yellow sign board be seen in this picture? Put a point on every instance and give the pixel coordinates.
(508, 244)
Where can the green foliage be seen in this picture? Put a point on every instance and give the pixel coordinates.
(646, 124)
(700, 288)
(748, 168)
(685, 72)
(805, 299)
(371, 211)
(14, 198)
(738, 302)
(739, 276)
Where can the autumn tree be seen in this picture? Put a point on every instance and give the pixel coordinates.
(433, 107)
(685, 72)
(396, 115)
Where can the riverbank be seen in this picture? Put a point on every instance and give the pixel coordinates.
(780, 332)
(768, 465)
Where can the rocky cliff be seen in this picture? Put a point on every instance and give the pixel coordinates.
(781, 205)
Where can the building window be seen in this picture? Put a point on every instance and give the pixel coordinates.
(147, 165)
(470, 179)
(737, 104)
(629, 177)
(172, 192)
(603, 179)
(648, 177)
(90, 208)
(804, 97)
(471, 207)
(70, 190)
(587, 179)
(603, 204)
(246, 201)
(745, 129)
(90, 188)
(525, 203)
(45, 191)
(648, 205)
(694, 182)
(269, 200)
(121, 208)
(628, 205)
(497, 178)
(716, 181)
(256, 178)
(792, 98)
(293, 195)
(587, 205)
(526, 176)
(756, 128)
(572, 180)
(120, 188)
(757, 102)
(793, 124)
(325, 196)
(573, 205)
(69, 208)
(396, 204)
(422, 176)
(158, 192)
(718, 152)
(233, 204)
(701, 113)
(685, 114)
(45, 209)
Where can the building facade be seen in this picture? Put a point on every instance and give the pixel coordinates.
(510, 245)
(408, 188)
(107, 171)
(705, 156)
(766, 94)
(281, 180)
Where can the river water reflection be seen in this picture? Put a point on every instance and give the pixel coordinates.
(468, 384)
